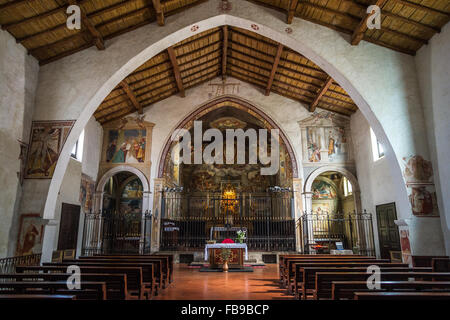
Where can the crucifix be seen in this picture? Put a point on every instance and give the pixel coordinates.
(221, 88)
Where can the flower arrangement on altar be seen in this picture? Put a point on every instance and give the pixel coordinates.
(241, 236)
(228, 241)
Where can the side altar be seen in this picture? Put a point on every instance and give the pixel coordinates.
(239, 252)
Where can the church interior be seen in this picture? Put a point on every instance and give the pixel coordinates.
(224, 149)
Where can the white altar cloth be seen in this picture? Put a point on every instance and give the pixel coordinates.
(226, 245)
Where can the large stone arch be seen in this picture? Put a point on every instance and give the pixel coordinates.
(307, 188)
(186, 32)
(382, 83)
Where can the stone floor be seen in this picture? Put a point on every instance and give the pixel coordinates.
(191, 284)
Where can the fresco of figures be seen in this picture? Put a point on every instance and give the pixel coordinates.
(87, 189)
(326, 138)
(418, 175)
(131, 199)
(46, 142)
(126, 146)
(31, 234)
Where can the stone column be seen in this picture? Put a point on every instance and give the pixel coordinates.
(308, 230)
(146, 223)
(157, 214)
(298, 211)
(49, 242)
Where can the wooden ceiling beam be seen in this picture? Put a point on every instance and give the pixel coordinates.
(224, 52)
(427, 27)
(321, 92)
(291, 10)
(276, 61)
(64, 25)
(12, 4)
(176, 70)
(97, 37)
(358, 34)
(159, 12)
(422, 8)
(132, 96)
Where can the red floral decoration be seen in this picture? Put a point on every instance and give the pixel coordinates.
(227, 241)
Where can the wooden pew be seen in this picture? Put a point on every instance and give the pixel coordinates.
(440, 264)
(150, 281)
(89, 290)
(306, 281)
(116, 284)
(36, 297)
(283, 260)
(136, 288)
(288, 271)
(291, 264)
(324, 280)
(162, 267)
(346, 289)
(402, 296)
(170, 258)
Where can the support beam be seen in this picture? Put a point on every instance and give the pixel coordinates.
(97, 38)
(422, 8)
(321, 92)
(224, 52)
(159, 12)
(176, 70)
(291, 10)
(12, 4)
(276, 61)
(131, 95)
(358, 34)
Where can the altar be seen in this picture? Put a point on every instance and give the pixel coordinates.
(239, 252)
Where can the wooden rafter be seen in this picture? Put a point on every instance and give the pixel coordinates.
(224, 52)
(131, 95)
(358, 34)
(291, 10)
(321, 92)
(422, 8)
(176, 70)
(159, 12)
(97, 37)
(276, 61)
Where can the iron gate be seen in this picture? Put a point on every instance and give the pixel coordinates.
(111, 232)
(354, 231)
(189, 221)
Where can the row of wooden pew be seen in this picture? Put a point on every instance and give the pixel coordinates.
(103, 277)
(345, 277)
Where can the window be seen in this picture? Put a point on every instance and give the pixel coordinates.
(77, 150)
(377, 147)
(348, 190)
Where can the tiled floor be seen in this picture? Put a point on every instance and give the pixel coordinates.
(191, 284)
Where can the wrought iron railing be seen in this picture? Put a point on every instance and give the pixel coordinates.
(8, 265)
(111, 232)
(354, 231)
(189, 221)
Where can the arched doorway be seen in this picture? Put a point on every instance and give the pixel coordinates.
(333, 219)
(121, 222)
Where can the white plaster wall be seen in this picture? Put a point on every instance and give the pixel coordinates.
(433, 68)
(378, 187)
(93, 138)
(18, 82)
(374, 177)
